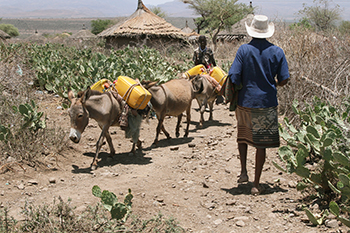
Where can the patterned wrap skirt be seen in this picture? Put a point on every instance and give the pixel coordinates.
(258, 127)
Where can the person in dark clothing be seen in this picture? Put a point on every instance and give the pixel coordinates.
(203, 54)
(259, 67)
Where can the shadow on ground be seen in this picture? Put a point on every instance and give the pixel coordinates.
(244, 189)
(170, 142)
(121, 158)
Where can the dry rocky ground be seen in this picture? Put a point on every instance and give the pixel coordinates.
(192, 179)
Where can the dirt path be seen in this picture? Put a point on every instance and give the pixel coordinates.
(192, 179)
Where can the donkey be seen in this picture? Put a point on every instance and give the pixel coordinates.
(102, 107)
(171, 99)
(205, 93)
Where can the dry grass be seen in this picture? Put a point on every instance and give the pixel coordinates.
(24, 146)
(318, 65)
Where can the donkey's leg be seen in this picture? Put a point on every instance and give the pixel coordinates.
(211, 105)
(111, 147)
(159, 127)
(188, 118)
(202, 110)
(110, 144)
(165, 132)
(179, 117)
(139, 146)
(98, 147)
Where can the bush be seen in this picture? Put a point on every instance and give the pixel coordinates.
(61, 216)
(9, 29)
(100, 25)
(24, 136)
(319, 152)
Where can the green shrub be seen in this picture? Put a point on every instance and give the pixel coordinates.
(118, 210)
(9, 29)
(59, 68)
(100, 25)
(321, 140)
(31, 118)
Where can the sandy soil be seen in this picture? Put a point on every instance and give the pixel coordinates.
(193, 179)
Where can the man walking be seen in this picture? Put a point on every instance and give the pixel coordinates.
(256, 66)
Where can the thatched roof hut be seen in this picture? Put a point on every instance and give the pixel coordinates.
(83, 34)
(4, 35)
(188, 30)
(192, 35)
(143, 27)
(37, 38)
(237, 31)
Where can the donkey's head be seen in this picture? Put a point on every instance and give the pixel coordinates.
(79, 116)
(197, 83)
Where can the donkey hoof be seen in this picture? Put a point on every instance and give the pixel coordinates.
(93, 167)
(177, 135)
(154, 144)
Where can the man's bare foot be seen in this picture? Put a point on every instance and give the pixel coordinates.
(256, 191)
(243, 178)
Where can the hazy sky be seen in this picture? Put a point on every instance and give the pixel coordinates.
(155, 2)
(280, 8)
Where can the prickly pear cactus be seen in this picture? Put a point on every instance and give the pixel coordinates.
(31, 118)
(96, 191)
(119, 211)
(319, 151)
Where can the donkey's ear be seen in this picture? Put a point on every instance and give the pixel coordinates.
(151, 84)
(70, 95)
(86, 95)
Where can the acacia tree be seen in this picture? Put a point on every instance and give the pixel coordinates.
(217, 15)
(158, 11)
(99, 25)
(320, 15)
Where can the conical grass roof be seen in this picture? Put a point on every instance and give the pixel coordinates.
(83, 34)
(141, 22)
(36, 38)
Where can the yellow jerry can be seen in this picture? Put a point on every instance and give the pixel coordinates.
(218, 74)
(101, 85)
(199, 69)
(132, 92)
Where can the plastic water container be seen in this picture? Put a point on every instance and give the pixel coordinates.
(198, 69)
(218, 74)
(132, 92)
(101, 85)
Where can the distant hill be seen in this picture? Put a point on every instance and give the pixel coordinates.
(52, 26)
(81, 9)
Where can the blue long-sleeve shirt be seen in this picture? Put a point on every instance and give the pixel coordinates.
(255, 66)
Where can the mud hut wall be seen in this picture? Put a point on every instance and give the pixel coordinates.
(144, 40)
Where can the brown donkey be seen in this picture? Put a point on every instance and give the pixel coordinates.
(171, 99)
(103, 108)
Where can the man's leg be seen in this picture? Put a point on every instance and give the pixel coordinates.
(260, 157)
(242, 148)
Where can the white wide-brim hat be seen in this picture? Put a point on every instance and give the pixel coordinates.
(260, 28)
